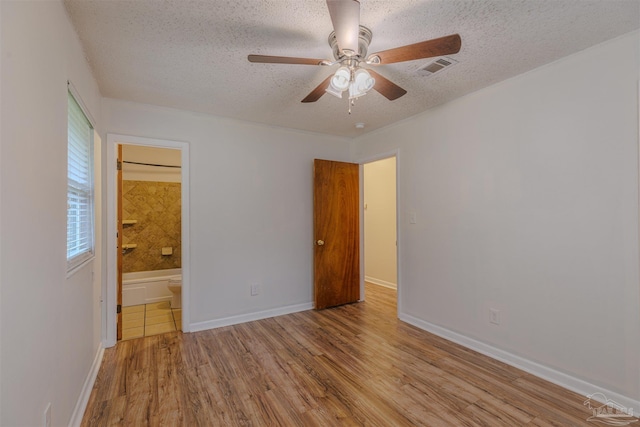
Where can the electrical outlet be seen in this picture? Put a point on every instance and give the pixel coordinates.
(255, 289)
(47, 415)
(494, 316)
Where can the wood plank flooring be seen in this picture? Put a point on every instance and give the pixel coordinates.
(353, 365)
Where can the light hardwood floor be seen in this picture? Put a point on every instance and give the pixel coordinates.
(352, 365)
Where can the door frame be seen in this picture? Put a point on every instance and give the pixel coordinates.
(369, 159)
(110, 286)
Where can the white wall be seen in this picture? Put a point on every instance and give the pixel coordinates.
(49, 332)
(380, 264)
(526, 197)
(251, 207)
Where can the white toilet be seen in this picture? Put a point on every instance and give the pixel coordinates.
(175, 286)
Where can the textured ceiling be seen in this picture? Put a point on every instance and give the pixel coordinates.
(192, 55)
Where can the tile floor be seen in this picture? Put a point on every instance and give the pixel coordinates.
(150, 319)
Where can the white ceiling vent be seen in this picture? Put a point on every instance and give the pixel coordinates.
(437, 66)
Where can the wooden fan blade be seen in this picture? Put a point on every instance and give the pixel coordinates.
(265, 59)
(386, 87)
(345, 17)
(318, 91)
(436, 47)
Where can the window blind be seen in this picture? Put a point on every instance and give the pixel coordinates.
(79, 186)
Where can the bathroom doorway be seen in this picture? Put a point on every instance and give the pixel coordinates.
(148, 295)
(380, 223)
(149, 259)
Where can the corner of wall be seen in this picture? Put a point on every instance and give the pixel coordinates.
(564, 380)
(85, 393)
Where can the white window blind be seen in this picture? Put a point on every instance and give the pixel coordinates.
(79, 187)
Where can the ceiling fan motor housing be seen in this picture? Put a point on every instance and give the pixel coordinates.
(364, 38)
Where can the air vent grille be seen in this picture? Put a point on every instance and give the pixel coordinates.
(436, 66)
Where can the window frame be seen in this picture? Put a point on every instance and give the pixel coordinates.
(80, 183)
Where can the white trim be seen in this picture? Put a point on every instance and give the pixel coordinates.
(85, 393)
(82, 264)
(380, 282)
(113, 140)
(83, 106)
(556, 377)
(156, 299)
(361, 224)
(398, 235)
(638, 181)
(249, 317)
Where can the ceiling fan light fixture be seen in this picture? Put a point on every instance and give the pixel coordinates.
(361, 84)
(337, 93)
(349, 42)
(340, 80)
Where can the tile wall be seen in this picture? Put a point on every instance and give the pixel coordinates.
(156, 208)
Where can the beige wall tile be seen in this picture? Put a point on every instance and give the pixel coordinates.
(156, 206)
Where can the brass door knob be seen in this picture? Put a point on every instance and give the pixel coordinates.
(319, 242)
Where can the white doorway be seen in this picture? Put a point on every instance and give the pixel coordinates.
(110, 289)
(380, 221)
(151, 241)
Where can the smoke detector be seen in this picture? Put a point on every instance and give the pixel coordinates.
(436, 66)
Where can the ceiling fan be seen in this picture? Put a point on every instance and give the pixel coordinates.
(349, 42)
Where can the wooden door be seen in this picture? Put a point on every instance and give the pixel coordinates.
(336, 224)
(119, 249)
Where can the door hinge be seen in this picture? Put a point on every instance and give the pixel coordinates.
(118, 165)
(119, 309)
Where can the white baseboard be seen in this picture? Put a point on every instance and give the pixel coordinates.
(249, 317)
(85, 393)
(556, 377)
(380, 282)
